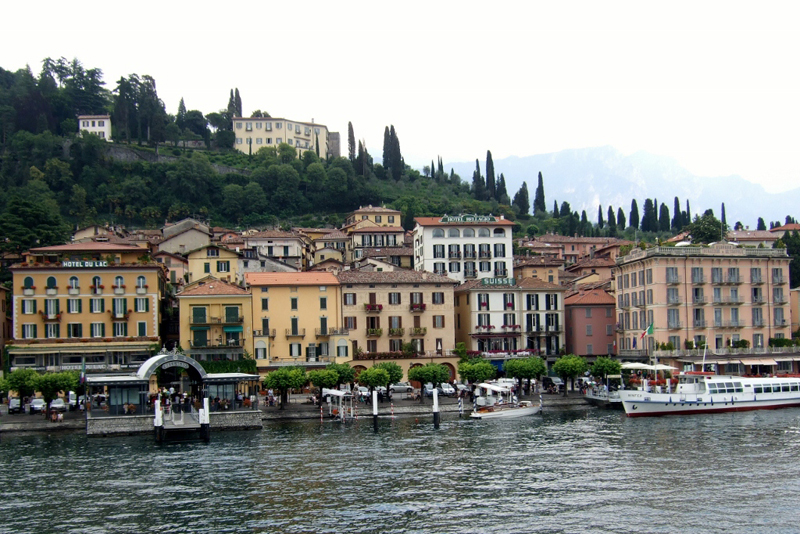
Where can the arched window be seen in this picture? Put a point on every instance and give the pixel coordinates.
(438, 232)
(499, 232)
(96, 282)
(119, 281)
(28, 282)
(484, 232)
(469, 232)
(73, 282)
(51, 282)
(341, 348)
(453, 232)
(261, 350)
(141, 282)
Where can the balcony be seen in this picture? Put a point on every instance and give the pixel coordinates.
(778, 280)
(454, 255)
(727, 300)
(699, 323)
(674, 301)
(512, 328)
(396, 332)
(716, 279)
(52, 291)
(485, 254)
(28, 291)
(74, 291)
(51, 317)
(758, 323)
(264, 333)
(374, 332)
(373, 308)
(141, 290)
(500, 273)
(533, 329)
(756, 280)
(469, 255)
(699, 279)
(419, 331)
(414, 308)
(554, 328)
(779, 300)
(699, 300)
(298, 332)
(733, 279)
(674, 325)
(96, 290)
(339, 331)
(758, 300)
(618, 327)
(470, 274)
(509, 306)
(780, 323)
(673, 280)
(119, 290)
(441, 272)
(322, 332)
(219, 343)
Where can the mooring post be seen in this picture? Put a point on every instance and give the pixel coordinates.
(435, 408)
(158, 420)
(205, 421)
(375, 409)
(460, 407)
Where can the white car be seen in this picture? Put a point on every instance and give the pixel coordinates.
(58, 405)
(402, 387)
(37, 406)
(446, 389)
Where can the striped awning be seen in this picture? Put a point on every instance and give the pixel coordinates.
(761, 361)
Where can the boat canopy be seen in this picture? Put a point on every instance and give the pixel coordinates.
(494, 387)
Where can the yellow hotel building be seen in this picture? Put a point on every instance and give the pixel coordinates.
(98, 301)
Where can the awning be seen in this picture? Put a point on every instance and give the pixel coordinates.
(763, 361)
(785, 359)
(199, 327)
(232, 329)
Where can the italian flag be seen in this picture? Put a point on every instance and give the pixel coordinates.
(647, 331)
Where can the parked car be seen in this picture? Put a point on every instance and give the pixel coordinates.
(462, 387)
(14, 405)
(553, 381)
(402, 387)
(37, 406)
(362, 391)
(446, 389)
(58, 405)
(427, 389)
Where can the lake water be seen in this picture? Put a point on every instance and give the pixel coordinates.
(562, 472)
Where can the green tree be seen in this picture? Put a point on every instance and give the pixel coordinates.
(612, 222)
(648, 215)
(521, 202)
(394, 371)
(284, 379)
(663, 218)
(477, 371)
(180, 118)
(621, 222)
(478, 183)
(569, 367)
(346, 373)
(31, 222)
(374, 377)
(633, 220)
(600, 220)
(351, 142)
(525, 368)
(707, 229)
(677, 220)
(51, 384)
(502, 192)
(432, 372)
(23, 381)
(323, 378)
(761, 224)
(539, 207)
(604, 366)
(491, 185)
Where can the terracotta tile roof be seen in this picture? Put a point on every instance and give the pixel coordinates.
(171, 255)
(373, 209)
(537, 261)
(786, 228)
(88, 246)
(592, 262)
(274, 234)
(383, 252)
(759, 235)
(211, 286)
(589, 298)
(400, 276)
(436, 221)
(306, 278)
(333, 234)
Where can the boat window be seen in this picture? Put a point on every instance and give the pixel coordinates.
(712, 388)
(758, 389)
(729, 386)
(785, 387)
(738, 386)
(776, 388)
(795, 386)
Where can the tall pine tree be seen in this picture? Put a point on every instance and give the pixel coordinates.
(677, 219)
(612, 223)
(478, 184)
(491, 185)
(663, 218)
(687, 220)
(539, 206)
(600, 222)
(522, 202)
(502, 192)
(351, 142)
(621, 221)
(238, 103)
(722, 215)
(633, 220)
(555, 209)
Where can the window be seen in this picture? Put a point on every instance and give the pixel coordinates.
(51, 307)
(212, 252)
(293, 302)
(28, 331)
(588, 313)
(395, 345)
(295, 350)
(97, 305)
(323, 303)
(98, 329)
(438, 232)
(119, 307)
(394, 298)
(141, 328)
(350, 323)
(52, 330)
(28, 282)
(51, 282)
(609, 330)
(74, 330)
(73, 282)
(141, 304)
(438, 297)
(453, 232)
(484, 232)
(439, 268)
(438, 251)
(588, 330)
(416, 298)
(120, 329)
(499, 250)
(349, 299)
(28, 306)
(455, 267)
(224, 266)
(589, 349)
(389, 218)
(73, 305)
(438, 321)
(377, 218)
(206, 267)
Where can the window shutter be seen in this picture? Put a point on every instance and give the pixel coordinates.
(147, 305)
(124, 306)
(125, 329)
(102, 305)
(34, 306)
(80, 305)
(34, 331)
(103, 329)
(58, 306)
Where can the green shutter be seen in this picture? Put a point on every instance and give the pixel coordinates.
(206, 267)
(147, 304)
(34, 306)
(35, 334)
(80, 305)
(142, 329)
(58, 330)
(124, 306)
(125, 329)
(102, 305)
(103, 329)
(198, 314)
(58, 306)
(231, 314)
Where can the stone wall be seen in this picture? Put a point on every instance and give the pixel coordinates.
(236, 420)
(107, 426)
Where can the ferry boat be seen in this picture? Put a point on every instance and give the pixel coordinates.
(700, 392)
(496, 401)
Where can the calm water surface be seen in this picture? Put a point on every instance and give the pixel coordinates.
(583, 473)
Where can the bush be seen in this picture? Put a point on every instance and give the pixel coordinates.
(741, 344)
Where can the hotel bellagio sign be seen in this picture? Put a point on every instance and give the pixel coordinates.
(85, 264)
(468, 219)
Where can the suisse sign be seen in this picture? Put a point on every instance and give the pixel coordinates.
(467, 219)
(84, 264)
(498, 281)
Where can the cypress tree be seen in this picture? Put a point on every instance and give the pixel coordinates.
(555, 209)
(677, 219)
(397, 158)
(491, 186)
(600, 222)
(621, 222)
(238, 102)
(351, 142)
(441, 168)
(761, 224)
(663, 218)
(502, 192)
(687, 220)
(647, 216)
(612, 224)
(539, 206)
(387, 151)
(478, 185)
(521, 200)
(722, 216)
(180, 118)
(634, 218)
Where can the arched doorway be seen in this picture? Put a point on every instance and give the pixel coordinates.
(176, 372)
(451, 370)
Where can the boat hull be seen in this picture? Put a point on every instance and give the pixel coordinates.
(503, 412)
(642, 404)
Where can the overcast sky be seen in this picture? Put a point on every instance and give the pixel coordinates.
(713, 84)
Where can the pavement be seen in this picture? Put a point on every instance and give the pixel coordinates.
(297, 408)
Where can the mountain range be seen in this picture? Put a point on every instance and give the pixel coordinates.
(589, 177)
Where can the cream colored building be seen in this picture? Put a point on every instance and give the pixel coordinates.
(99, 125)
(95, 301)
(214, 260)
(503, 316)
(717, 295)
(379, 215)
(216, 320)
(297, 319)
(255, 133)
(292, 248)
(383, 310)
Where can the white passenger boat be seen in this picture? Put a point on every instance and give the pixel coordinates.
(497, 401)
(698, 392)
